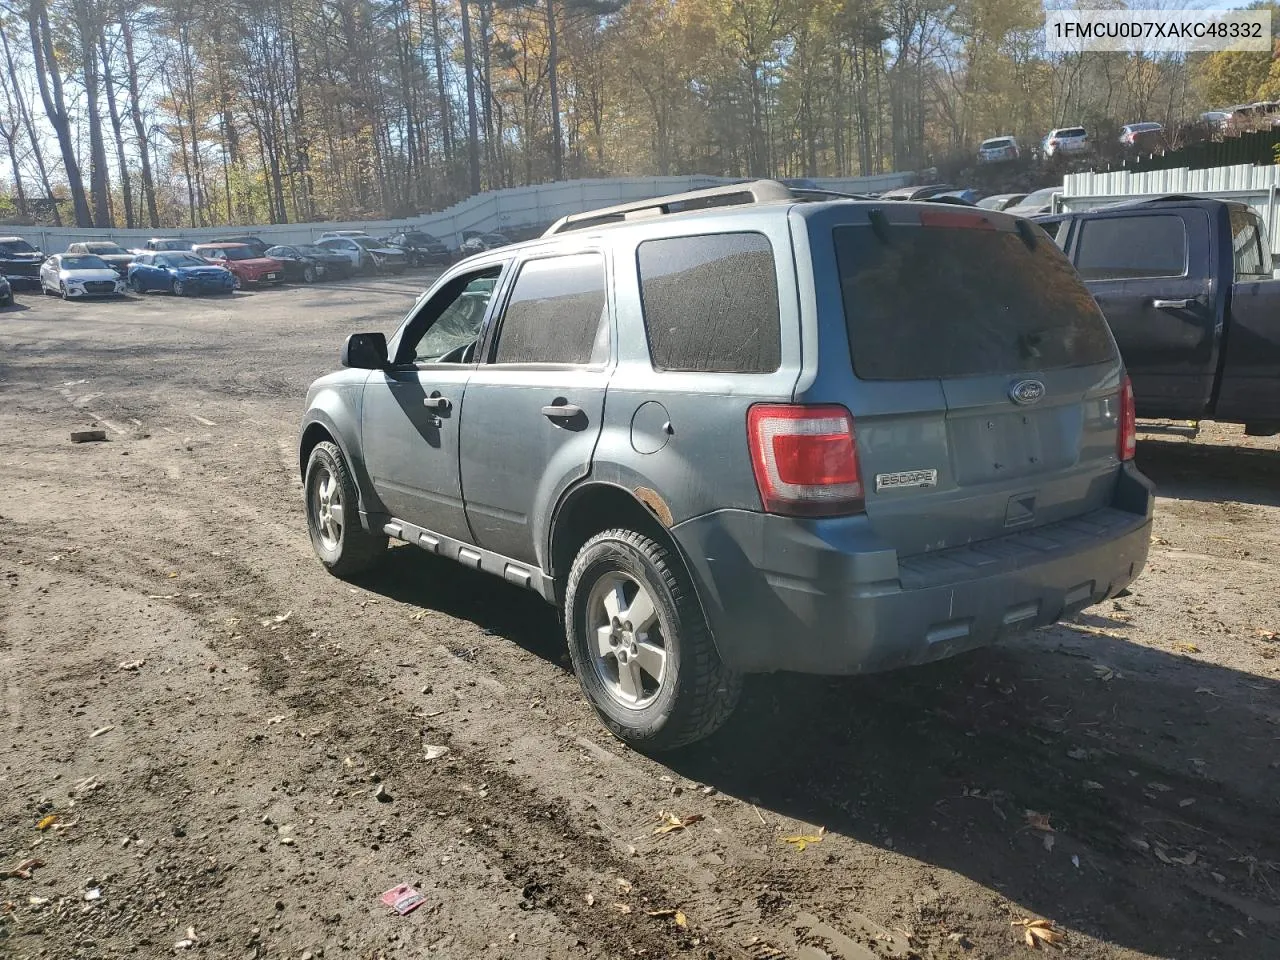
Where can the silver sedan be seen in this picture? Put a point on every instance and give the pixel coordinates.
(76, 275)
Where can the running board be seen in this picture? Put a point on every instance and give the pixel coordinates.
(477, 558)
(1180, 428)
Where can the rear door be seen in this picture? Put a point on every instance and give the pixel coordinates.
(1150, 274)
(533, 410)
(1249, 390)
(986, 383)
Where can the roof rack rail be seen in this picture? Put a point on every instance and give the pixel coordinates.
(729, 194)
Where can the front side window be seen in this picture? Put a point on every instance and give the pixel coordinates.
(1132, 248)
(557, 313)
(447, 326)
(710, 303)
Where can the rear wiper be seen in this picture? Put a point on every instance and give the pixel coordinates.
(879, 225)
(1028, 233)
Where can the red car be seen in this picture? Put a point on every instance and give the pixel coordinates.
(245, 265)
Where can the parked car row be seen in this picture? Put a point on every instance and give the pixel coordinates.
(1071, 141)
(96, 268)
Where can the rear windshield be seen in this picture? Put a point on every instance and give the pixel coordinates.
(1072, 132)
(997, 143)
(939, 302)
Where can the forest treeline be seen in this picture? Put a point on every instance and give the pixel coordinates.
(202, 112)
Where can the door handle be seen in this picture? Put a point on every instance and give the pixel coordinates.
(436, 403)
(1172, 304)
(561, 411)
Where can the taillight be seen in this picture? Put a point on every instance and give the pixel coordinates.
(805, 459)
(1127, 439)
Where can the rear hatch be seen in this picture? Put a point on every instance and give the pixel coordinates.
(986, 390)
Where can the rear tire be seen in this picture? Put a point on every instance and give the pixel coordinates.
(631, 608)
(135, 285)
(333, 515)
(309, 274)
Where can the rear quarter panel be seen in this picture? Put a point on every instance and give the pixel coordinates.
(701, 461)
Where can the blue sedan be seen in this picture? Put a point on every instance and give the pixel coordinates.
(179, 273)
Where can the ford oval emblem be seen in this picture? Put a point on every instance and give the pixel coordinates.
(1025, 392)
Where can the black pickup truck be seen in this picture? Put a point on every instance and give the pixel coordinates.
(1186, 284)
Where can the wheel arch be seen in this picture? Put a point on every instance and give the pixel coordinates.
(320, 427)
(593, 506)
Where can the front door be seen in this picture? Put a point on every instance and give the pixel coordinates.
(1148, 274)
(410, 415)
(533, 410)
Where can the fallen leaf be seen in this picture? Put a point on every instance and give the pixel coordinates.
(434, 752)
(662, 913)
(1187, 802)
(1187, 860)
(1039, 821)
(1161, 855)
(47, 822)
(681, 920)
(1208, 691)
(1161, 541)
(671, 822)
(803, 840)
(1159, 787)
(173, 576)
(1092, 785)
(279, 719)
(1269, 635)
(1185, 647)
(278, 619)
(623, 907)
(1048, 841)
(1038, 933)
(590, 898)
(101, 730)
(624, 886)
(1103, 672)
(131, 665)
(37, 901)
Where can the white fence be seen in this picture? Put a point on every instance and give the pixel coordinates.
(499, 210)
(1255, 185)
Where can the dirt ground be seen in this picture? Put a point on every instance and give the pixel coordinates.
(233, 743)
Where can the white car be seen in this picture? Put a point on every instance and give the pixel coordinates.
(1066, 140)
(330, 234)
(80, 275)
(998, 150)
(366, 254)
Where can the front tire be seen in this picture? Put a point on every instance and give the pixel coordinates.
(333, 518)
(640, 645)
(64, 292)
(179, 288)
(309, 274)
(136, 285)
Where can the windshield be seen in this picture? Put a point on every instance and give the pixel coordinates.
(238, 253)
(1040, 198)
(172, 244)
(16, 246)
(313, 251)
(367, 242)
(106, 249)
(180, 260)
(84, 262)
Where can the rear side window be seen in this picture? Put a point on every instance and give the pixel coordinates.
(711, 303)
(940, 302)
(1132, 248)
(1253, 260)
(556, 313)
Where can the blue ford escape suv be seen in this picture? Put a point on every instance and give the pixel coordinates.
(746, 429)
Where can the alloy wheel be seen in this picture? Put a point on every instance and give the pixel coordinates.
(628, 650)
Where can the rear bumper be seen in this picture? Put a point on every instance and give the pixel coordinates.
(825, 597)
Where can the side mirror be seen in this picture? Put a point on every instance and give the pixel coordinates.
(365, 351)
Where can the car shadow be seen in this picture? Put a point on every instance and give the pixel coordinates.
(1212, 472)
(1157, 775)
(1157, 772)
(413, 576)
(16, 307)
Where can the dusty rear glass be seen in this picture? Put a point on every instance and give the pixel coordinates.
(940, 302)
